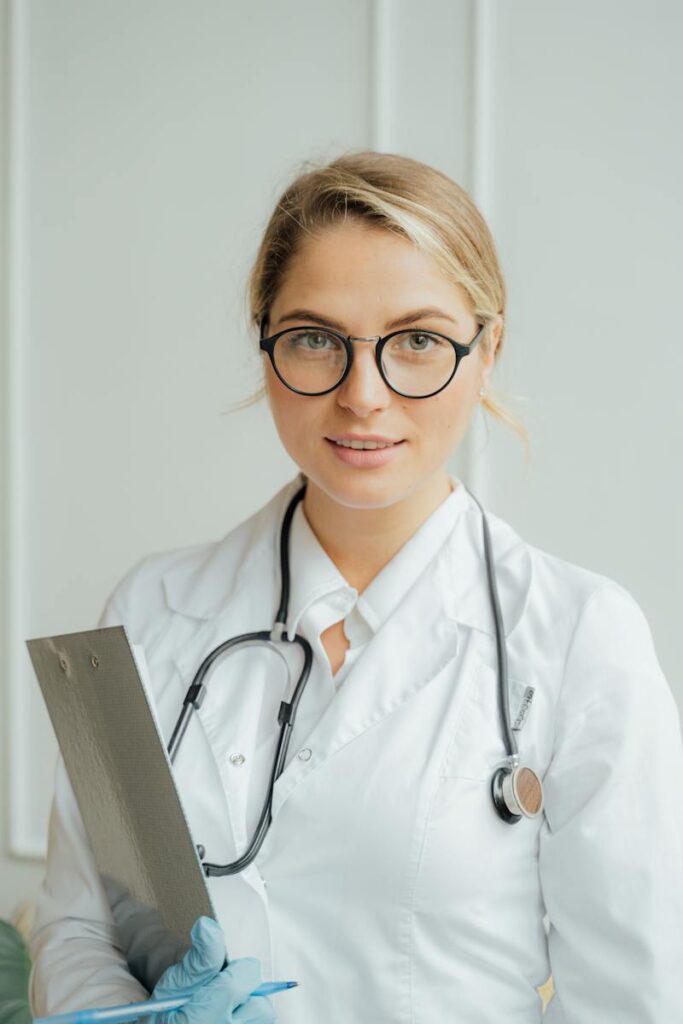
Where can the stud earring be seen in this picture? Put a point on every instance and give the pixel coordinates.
(482, 391)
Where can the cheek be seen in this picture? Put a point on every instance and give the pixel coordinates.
(295, 416)
(281, 400)
(445, 416)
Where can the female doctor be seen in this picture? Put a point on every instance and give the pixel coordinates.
(429, 854)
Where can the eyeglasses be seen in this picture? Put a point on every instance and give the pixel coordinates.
(315, 360)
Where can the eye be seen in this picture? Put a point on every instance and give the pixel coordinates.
(415, 342)
(420, 340)
(310, 339)
(411, 345)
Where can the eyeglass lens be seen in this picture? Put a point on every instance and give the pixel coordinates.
(415, 362)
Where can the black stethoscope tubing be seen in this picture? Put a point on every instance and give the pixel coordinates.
(511, 800)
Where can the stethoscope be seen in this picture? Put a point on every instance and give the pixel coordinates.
(516, 790)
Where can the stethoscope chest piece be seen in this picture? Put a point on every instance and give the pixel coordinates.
(517, 792)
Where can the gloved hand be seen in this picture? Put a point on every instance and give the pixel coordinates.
(218, 997)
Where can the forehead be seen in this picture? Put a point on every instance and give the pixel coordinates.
(359, 263)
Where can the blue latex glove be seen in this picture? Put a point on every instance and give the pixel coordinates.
(218, 997)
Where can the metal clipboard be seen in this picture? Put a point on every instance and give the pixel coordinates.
(123, 782)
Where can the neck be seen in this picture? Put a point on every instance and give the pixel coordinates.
(360, 541)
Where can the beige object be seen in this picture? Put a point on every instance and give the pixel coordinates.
(546, 992)
(23, 917)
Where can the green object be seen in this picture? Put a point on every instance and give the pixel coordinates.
(15, 967)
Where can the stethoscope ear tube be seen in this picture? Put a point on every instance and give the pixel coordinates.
(516, 790)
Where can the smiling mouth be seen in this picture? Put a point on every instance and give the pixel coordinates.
(364, 445)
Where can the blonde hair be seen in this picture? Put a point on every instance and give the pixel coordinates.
(401, 195)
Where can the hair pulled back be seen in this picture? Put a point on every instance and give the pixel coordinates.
(398, 194)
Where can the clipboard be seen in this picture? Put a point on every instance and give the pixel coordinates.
(122, 778)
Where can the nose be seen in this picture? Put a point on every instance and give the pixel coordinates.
(363, 389)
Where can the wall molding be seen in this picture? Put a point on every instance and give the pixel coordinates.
(384, 137)
(383, 47)
(21, 842)
(482, 170)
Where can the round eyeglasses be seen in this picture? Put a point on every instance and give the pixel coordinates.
(315, 360)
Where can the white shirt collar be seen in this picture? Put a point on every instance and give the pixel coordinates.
(321, 596)
(241, 570)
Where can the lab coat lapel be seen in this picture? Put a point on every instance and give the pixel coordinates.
(229, 594)
(227, 720)
(411, 648)
(422, 636)
(408, 650)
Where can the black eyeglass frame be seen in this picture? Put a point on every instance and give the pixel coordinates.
(268, 345)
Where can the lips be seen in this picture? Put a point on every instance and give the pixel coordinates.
(366, 458)
(363, 438)
(362, 444)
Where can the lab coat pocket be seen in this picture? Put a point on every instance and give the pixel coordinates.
(477, 746)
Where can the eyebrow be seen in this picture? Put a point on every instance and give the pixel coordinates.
(408, 318)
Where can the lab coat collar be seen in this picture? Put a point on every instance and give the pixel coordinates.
(315, 574)
(451, 590)
(202, 592)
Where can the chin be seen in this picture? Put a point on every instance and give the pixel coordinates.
(360, 488)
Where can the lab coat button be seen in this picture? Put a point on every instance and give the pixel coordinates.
(237, 759)
(305, 754)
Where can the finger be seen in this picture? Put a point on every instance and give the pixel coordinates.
(210, 1002)
(241, 977)
(217, 1000)
(257, 1010)
(202, 962)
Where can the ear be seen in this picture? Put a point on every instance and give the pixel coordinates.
(488, 360)
(496, 331)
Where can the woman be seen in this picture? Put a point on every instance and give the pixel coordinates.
(389, 884)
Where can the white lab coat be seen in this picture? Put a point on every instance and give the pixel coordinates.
(387, 885)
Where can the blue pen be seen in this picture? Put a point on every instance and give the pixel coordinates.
(131, 1011)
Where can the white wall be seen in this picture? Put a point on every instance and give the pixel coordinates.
(147, 143)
